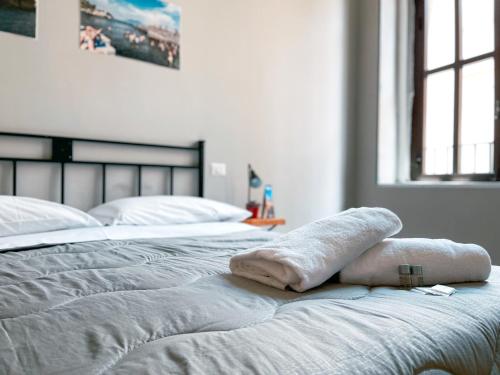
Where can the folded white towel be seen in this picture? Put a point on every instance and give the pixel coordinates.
(443, 262)
(308, 256)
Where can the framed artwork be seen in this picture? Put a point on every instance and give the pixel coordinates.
(18, 17)
(146, 30)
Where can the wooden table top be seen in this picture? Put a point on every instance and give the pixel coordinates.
(265, 222)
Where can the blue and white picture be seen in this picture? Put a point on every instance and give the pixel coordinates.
(18, 17)
(146, 30)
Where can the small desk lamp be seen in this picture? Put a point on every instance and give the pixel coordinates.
(254, 182)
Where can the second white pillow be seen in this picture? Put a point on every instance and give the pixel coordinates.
(166, 210)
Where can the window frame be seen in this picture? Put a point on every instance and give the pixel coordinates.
(418, 115)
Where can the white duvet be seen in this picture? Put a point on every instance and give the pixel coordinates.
(121, 232)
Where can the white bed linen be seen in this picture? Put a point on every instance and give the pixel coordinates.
(120, 232)
(24, 215)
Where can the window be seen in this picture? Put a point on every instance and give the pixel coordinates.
(456, 126)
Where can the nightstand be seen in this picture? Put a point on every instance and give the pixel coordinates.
(271, 223)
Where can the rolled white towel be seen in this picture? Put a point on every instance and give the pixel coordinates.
(443, 262)
(308, 256)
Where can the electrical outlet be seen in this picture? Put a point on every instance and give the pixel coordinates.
(219, 169)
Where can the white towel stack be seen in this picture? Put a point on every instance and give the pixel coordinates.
(306, 257)
(356, 242)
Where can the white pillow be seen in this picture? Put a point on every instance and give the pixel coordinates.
(166, 210)
(21, 215)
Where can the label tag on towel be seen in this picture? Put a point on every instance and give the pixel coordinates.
(437, 290)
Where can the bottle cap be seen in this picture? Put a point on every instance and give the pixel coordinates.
(417, 270)
(404, 269)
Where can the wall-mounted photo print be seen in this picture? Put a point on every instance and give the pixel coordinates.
(146, 30)
(18, 17)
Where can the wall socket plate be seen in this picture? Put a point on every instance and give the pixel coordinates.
(218, 169)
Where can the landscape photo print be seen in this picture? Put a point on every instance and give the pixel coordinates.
(146, 30)
(18, 17)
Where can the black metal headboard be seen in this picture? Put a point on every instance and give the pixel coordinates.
(62, 153)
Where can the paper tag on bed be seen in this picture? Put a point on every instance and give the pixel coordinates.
(437, 290)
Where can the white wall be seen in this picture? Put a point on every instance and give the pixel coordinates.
(463, 213)
(262, 82)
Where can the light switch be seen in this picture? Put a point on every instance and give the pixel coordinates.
(219, 169)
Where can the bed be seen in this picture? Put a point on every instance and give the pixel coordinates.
(171, 306)
(163, 301)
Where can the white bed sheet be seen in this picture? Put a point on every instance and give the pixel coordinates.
(120, 232)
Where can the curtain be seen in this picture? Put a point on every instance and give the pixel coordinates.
(395, 93)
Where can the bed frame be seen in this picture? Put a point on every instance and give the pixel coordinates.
(62, 154)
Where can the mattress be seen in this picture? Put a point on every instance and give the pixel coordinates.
(170, 306)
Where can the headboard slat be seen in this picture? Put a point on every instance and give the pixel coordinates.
(62, 153)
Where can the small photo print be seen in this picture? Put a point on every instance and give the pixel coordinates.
(18, 17)
(146, 30)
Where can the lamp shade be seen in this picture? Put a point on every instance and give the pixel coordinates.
(254, 180)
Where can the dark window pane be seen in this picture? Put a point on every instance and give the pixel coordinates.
(477, 111)
(440, 35)
(439, 123)
(478, 27)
